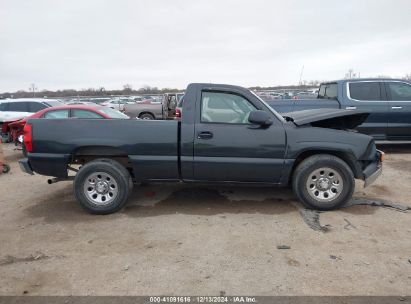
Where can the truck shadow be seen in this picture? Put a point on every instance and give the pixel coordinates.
(165, 199)
(59, 206)
(201, 200)
(170, 199)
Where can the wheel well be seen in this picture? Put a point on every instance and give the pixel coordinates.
(84, 155)
(348, 159)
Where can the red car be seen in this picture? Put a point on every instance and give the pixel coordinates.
(69, 111)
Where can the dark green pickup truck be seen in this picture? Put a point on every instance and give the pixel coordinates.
(226, 135)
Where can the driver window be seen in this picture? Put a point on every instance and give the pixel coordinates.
(219, 107)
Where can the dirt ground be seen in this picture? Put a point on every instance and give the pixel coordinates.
(179, 239)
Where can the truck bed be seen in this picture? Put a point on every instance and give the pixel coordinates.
(151, 146)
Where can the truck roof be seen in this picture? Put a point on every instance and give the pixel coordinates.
(365, 79)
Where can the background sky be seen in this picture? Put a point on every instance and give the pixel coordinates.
(79, 44)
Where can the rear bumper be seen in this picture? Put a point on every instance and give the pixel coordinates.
(373, 170)
(25, 166)
(49, 164)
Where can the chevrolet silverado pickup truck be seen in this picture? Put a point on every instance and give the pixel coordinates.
(226, 134)
(387, 100)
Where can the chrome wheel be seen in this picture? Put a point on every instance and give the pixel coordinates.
(324, 184)
(100, 188)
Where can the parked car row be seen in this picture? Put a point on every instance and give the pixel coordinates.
(15, 128)
(288, 95)
(142, 107)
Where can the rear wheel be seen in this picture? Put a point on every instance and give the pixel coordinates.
(102, 186)
(323, 182)
(146, 116)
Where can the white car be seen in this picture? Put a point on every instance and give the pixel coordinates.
(117, 103)
(15, 109)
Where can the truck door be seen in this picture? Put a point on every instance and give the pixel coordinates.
(399, 117)
(228, 148)
(369, 96)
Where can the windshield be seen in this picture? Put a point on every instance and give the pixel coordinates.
(54, 103)
(113, 113)
(268, 107)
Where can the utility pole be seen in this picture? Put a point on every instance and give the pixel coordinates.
(33, 89)
(301, 75)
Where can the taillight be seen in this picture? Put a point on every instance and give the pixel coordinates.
(28, 137)
(178, 114)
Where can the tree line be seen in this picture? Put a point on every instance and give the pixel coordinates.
(90, 92)
(146, 90)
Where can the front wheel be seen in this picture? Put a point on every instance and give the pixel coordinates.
(102, 186)
(323, 182)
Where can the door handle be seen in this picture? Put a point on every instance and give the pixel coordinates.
(396, 108)
(351, 108)
(204, 135)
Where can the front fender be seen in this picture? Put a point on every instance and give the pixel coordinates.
(353, 148)
(301, 139)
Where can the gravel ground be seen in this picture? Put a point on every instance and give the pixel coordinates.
(180, 239)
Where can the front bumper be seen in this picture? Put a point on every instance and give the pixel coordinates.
(373, 170)
(25, 166)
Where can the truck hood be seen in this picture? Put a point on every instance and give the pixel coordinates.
(328, 118)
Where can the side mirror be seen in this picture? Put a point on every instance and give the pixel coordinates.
(261, 118)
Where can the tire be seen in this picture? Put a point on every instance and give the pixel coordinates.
(6, 168)
(147, 116)
(323, 182)
(6, 137)
(102, 186)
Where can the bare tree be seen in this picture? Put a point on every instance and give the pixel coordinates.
(127, 88)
